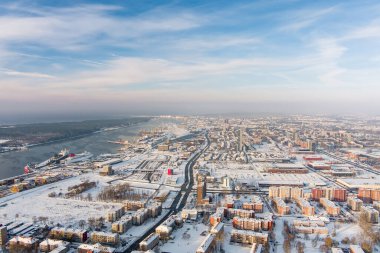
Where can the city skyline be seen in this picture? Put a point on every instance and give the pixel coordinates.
(78, 57)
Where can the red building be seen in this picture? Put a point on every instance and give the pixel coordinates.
(375, 195)
(319, 165)
(340, 195)
(313, 158)
(335, 194)
(369, 195)
(317, 193)
(364, 195)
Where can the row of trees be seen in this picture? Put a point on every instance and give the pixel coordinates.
(289, 237)
(79, 188)
(119, 193)
(94, 223)
(289, 240)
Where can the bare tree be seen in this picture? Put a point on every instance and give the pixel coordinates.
(300, 247)
(82, 223)
(287, 246)
(91, 222)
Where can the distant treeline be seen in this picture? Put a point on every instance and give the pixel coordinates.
(42, 132)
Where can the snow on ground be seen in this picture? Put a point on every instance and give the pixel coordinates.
(255, 172)
(36, 202)
(347, 230)
(177, 131)
(279, 238)
(190, 245)
(58, 210)
(169, 200)
(135, 232)
(233, 248)
(343, 230)
(188, 238)
(310, 178)
(242, 172)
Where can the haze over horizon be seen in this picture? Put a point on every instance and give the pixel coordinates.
(188, 57)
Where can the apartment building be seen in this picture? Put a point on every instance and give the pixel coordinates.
(149, 242)
(208, 245)
(285, 192)
(68, 234)
(305, 206)
(94, 248)
(115, 214)
(23, 244)
(252, 224)
(354, 203)
(371, 214)
(130, 205)
(335, 194)
(281, 207)
(330, 207)
(122, 225)
(310, 227)
(49, 245)
(106, 238)
(231, 213)
(369, 195)
(248, 237)
(165, 229)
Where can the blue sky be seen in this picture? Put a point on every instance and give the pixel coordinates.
(189, 56)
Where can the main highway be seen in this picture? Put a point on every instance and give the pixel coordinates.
(181, 198)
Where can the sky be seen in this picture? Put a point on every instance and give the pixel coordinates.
(79, 57)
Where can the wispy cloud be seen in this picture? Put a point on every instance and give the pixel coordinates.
(24, 74)
(298, 20)
(368, 31)
(176, 52)
(77, 28)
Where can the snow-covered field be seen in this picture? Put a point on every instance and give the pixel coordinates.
(310, 178)
(25, 205)
(180, 244)
(34, 203)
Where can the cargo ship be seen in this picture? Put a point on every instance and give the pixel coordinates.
(76, 158)
(54, 159)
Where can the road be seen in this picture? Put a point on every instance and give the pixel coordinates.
(328, 178)
(189, 181)
(176, 206)
(350, 162)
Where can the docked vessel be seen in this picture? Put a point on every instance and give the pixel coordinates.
(121, 142)
(76, 158)
(64, 153)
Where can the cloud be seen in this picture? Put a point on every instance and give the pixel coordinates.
(100, 55)
(371, 30)
(330, 52)
(214, 42)
(330, 49)
(298, 20)
(78, 28)
(14, 73)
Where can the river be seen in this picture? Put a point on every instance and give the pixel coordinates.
(12, 163)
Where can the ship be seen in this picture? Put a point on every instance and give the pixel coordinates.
(120, 141)
(56, 158)
(76, 158)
